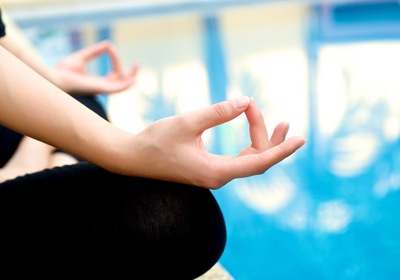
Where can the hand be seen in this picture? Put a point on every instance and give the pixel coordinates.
(172, 149)
(71, 76)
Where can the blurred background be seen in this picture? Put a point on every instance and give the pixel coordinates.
(329, 68)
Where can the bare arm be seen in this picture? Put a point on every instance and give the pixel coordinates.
(35, 107)
(70, 74)
(170, 149)
(16, 43)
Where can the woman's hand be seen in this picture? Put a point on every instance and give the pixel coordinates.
(70, 74)
(169, 149)
(172, 148)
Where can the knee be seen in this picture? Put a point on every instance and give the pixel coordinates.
(185, 233)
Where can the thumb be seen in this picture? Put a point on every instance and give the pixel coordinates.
(219, 113)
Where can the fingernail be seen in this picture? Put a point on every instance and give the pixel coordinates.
(241, 102)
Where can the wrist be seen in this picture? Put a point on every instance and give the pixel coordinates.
(119, 150)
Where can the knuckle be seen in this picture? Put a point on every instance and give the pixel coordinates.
(220, 110)
(183, 122)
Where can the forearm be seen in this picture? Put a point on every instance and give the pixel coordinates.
(169, 149)
(18, 44)
(35, 107)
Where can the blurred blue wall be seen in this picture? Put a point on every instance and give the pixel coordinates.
(331, 210)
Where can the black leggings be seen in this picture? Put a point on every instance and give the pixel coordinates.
(83, 220)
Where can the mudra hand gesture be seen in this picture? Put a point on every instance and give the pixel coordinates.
(71, 75)
(172, 148)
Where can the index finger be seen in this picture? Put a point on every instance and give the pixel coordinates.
(98, 49)
(217, 114)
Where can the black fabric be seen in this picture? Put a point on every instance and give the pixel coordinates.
(81, 219)
(2, 26)
(9, 141)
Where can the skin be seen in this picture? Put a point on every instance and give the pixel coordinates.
(31, 156)
(169, 149)
(71, 76)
